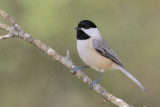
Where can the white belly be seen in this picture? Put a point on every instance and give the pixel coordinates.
(91, 57)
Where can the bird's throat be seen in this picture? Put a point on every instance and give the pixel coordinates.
(82, 36)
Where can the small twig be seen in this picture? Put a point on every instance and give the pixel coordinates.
(4, 26)
(5, 36)
(16, 31)
(7, 17)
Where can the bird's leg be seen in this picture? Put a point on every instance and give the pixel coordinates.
(75, 69)
(96, 81)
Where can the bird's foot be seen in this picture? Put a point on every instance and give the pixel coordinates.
(75, 69)
(93, 83)
(96, 81)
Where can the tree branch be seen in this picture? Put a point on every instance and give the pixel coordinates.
(16, 31)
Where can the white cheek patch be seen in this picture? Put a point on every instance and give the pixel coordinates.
(90, 31)
(93, 32)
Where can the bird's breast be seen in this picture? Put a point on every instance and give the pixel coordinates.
(91, 57)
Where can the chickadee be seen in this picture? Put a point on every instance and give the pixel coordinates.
(96, 53)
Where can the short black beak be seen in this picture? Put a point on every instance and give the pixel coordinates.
(78, 28)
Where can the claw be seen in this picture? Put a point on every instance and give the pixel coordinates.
(93, 83)
(96, 81)
(75, 69)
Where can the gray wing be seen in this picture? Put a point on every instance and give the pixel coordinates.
(103, 48)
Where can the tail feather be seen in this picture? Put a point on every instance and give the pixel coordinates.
(131, 77)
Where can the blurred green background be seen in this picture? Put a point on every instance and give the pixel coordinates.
(29, 78)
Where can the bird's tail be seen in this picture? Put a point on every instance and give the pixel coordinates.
(131, 77)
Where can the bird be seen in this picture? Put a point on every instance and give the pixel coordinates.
(96, 53)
